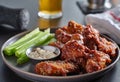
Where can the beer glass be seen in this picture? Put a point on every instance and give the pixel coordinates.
(50, 9)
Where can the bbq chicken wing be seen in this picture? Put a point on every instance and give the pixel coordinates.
(72, 50)
(94, 41)
(55, 68)
(97, 60)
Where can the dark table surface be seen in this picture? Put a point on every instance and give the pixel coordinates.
(70, 12)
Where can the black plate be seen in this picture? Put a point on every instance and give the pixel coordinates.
(27, 70)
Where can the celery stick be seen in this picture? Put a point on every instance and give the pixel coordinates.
(30, 42)
(9, 49)
(23, 59)
(34, 42)
(49, 41)
(27, 36)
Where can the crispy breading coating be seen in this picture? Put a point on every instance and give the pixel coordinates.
(55, 68)
(94, 41)
(97, 60)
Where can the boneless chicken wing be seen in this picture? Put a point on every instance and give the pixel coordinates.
(107, 47)
(97, 60)
(65, 34)
(72, 50)
(94, 41)
(55, 68)
(74, 27)
(62, 36)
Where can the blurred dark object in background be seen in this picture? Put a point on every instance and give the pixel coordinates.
(98, 4)
(9, 31)
(94, 6)
(13, 19)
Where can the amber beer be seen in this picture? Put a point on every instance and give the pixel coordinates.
(50, 8)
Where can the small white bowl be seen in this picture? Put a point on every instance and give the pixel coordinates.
(48, 48)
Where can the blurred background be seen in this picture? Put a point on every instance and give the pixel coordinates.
(71, 11)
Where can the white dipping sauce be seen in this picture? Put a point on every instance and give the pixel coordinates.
(39, 53)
